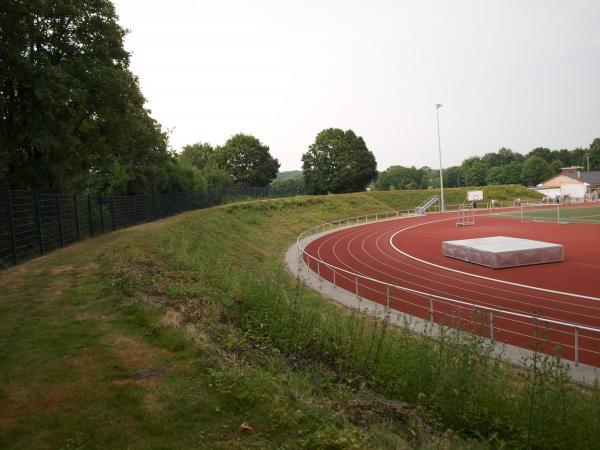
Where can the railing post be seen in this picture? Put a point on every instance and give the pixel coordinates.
(13, 240)
(356, 282)
(60, 230)
(576, 346)
(101, 213)
(91, 227)
(431, 310)
(318, 269)
(38, 220)
(333, 269)
(76, 212)
(492, 326)
(387, 296)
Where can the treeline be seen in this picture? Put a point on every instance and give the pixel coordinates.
(73, 118)
(495, 168)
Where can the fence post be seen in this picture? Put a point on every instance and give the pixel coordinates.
(38, 219)
(576, 346)
(60, 230)
(356, 279)
(492, 326)
(112, 211)
(76, 211)
(101, 213)
(13, 240)
(89, 201)
(333, 269)
(318, 269)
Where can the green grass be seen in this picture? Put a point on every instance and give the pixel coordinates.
(188, 332)
(454, 196)
(552, 213)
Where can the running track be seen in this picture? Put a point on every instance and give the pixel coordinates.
(407, 253)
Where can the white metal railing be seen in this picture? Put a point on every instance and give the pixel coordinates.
(567, 335)
(423, 207)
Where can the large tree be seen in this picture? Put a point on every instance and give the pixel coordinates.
(247, 160)
(338, 161)
(535, 170)
(71, 113)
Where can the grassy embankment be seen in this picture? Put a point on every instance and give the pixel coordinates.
(188, 332)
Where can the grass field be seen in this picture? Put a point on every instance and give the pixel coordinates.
(188, 333)
(554, 213)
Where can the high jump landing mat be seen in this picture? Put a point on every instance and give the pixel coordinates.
(500, 252)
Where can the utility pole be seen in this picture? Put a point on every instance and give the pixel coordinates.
(437, 113)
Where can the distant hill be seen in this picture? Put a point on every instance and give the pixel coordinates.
(289, 175)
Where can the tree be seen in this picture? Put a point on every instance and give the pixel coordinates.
(247, 160)
(289, 186)
(535, 170)
(542, 152)
(338, 161)
(512, 173)
(71, 113)
(453, 177)
(197, 154)
(502, 157)
(474, 171)
(496, 175)
(594, 154)
(400, 177)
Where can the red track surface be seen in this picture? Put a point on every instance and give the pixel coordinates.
(375, 251)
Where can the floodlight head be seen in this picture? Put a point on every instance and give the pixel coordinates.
(437, 105)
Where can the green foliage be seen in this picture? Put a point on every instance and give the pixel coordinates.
(289, 186)
(594, 154)
(217, 178)
(535, 170)
(185, 177)
(398, 177)
(474, 172)
(338, 162)
(247, 160)
(505, 174)
(453, 177)
(285, 175)
(199, 154)
(502, 157)
(71, 113)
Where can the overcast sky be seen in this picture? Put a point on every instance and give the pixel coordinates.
(519, 74)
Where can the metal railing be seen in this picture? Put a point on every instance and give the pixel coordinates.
(576, 342)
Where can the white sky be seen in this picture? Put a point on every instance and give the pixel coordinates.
(513, 73)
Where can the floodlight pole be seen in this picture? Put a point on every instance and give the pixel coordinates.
(437, 113)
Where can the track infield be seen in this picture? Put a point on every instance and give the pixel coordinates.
(406, 254)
